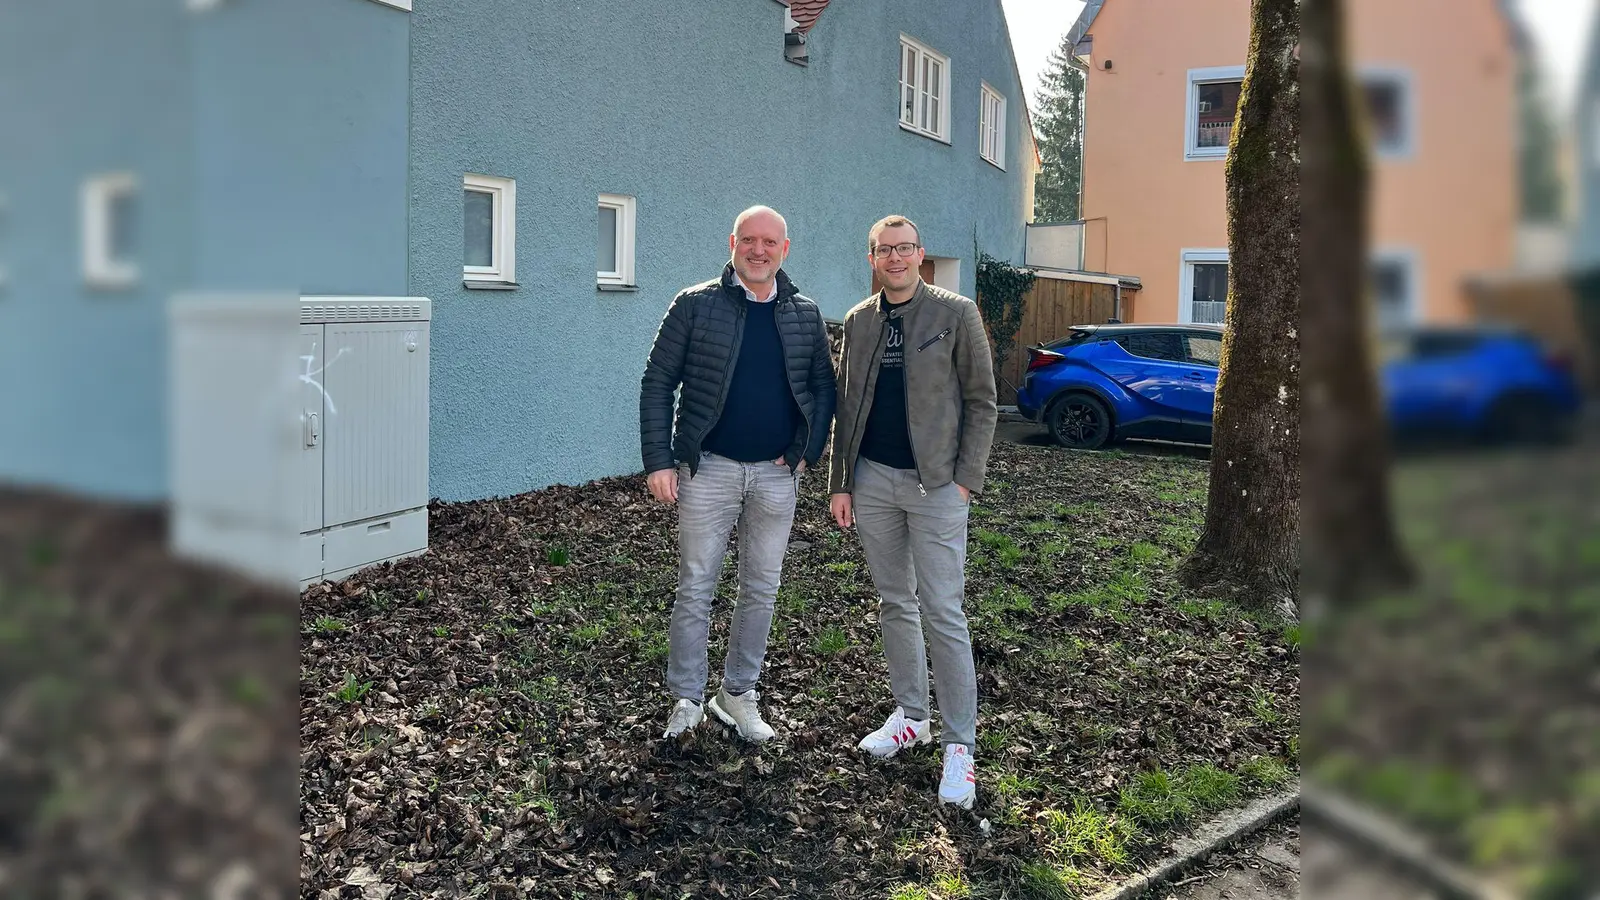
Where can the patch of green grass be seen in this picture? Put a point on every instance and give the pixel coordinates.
(1144, 552)
(380, 601)
(910, 892)
(1082, 510)
(994, 740)
(1041, 881)
(656, 648)
(422, 595)
(791, 602)
(539, 690)
(952, 887)
(832, 641)
(1291, 635)
(1155, 800)
(1209, 788)
(352, 691)
(559, 556)
(1011, 786)
(1005, 550)
(1041, 526)
(1294, 747)
(589, 634)
(1265, 773)
(1054, 548)
(1067, 650)
(1204, 610)
(441, 631)
(1264, 707)
(1087, 834)
(328, 625)
(846, 568)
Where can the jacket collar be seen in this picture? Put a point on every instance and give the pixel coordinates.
(731, 288)
(913, 303)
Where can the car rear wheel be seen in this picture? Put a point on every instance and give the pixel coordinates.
(1080, 422)
(1522, 419)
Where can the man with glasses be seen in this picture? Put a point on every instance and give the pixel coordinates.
(748, 356)
(911, 442)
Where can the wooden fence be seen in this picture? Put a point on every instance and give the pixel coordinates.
(1052, 307)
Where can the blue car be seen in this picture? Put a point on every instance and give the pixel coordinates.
(1104, 383)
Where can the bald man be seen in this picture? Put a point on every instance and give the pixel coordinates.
(749, 357)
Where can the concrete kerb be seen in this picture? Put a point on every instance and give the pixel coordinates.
(1210, 837)
(1396, 843)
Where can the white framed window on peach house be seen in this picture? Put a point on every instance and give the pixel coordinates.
(924, 90)
(1395, 274)
(992, 126)
(1211, 100)
(1391, 110)
(1203, 286)
(489, 230)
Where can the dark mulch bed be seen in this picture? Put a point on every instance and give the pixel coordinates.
(147, 728)
(1469, 707)
(486, 719)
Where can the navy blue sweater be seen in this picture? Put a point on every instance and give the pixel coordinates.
(759, 418)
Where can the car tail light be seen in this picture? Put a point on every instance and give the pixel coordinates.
(1039, 359)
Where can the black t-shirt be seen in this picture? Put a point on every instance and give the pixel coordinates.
(759, 419)
(886, 439)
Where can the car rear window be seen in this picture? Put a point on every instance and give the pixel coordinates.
(1075, 336)
(1163, 345)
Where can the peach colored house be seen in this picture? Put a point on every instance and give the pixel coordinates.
(1163, 84)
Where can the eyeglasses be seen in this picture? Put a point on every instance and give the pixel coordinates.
(881, 251)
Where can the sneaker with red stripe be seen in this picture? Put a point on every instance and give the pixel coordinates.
(960, 783)
(897, 733)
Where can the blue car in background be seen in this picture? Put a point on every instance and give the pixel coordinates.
(1104, 383)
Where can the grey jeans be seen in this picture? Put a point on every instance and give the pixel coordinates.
(760, 498)
(916, 547)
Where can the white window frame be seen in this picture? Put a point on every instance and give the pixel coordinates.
(503, 248)
(1401, 78)
(1187, 259)
(100, 269)
(1411, 259)
(923, 55)
(992, 126)
(1192, 151)
(627, 212)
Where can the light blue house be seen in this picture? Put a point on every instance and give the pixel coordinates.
(547, 174)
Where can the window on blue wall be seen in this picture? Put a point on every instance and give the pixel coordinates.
(924, 89)
(109, 218)
(992, 126)
(614, 264)
(488, 229)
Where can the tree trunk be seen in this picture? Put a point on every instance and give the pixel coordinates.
(1349, 538)
(1249, 546)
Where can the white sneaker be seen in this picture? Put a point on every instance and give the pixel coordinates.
(960, 782)
(897, 733)
(686, 714)
(740, 711)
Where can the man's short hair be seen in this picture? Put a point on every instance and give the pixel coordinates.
(889, 222)
(758, 210)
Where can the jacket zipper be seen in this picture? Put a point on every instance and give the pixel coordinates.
(784, 352)
(934, 340)
(727, 377)
(872, 365)
(905, 382)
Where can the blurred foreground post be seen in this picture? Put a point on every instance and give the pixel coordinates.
(1349, 536)
(1250, 541)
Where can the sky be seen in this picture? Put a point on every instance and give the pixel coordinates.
(1558, 28)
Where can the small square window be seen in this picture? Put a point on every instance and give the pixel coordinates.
(615, 262)
(992, 127)
(1203, 290)
(489, 229)
(1386, 95)
(110, 231)
(924, 87)
(1212, 104)
(1394, 282)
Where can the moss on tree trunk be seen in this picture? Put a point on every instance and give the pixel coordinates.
(1249, 546)
(1349, 539)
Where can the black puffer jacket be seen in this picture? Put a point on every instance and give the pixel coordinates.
(697, 347)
